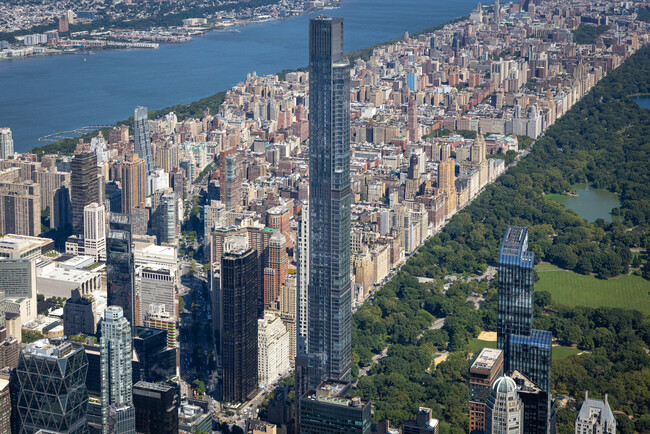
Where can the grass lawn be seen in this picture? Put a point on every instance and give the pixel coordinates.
(560, 352)
(476, 345)
(573, 289)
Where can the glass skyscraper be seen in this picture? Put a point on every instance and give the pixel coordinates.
(515, 288)
(120, 265)
(329, 309)
(142, 138)
(531, 355)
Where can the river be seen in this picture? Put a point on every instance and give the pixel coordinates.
(44, 95)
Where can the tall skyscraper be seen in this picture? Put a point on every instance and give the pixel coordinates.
(164, 216)
(486, 368)
(413, 126)
(142, 138)
(120, 266)
(239, 324)
(5, 406)
(134, 182)
(531, 355)
(6, 143)
(156, 408)
(504, 411)
(52, 393)
(515, 289)
(84, 187)
(95, 231)
(230, 179)
(303, 280)
(447, 185)
(329, 187)
(20, 208)
(116, 372)
(156, 284)
(275, 275)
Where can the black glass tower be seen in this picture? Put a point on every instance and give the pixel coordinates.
(239, 324)
(156, 408)
(84, 187)
(531, 355)
(329, 302)
(515, 292)
(120, 267)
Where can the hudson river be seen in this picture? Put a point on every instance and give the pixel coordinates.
(44, 95)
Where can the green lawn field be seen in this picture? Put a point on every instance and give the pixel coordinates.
(559, 352)
(573, 289)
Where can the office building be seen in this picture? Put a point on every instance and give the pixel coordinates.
(329, 206)
(272, 349)
(230, 180)
(531, 355)
(120, 269)
(447, 184)
(142, 139)
(134, 182)
(61, 208)
(504, 411)
(9, 350)
(164, 219)
(6, 144)
(302, 289)
(280, 411)
(329, 409)
(20, 208)
(256, 426)
(52, 393)
(79, 315)
(116, 371)
(595, 417)
(539, 413)
(423, 423)
(239, 324)
(14, 246)
(95, 231)
(156, 408)
(158, 318)
(155, 361)
(192, 419)
(18, 278)
(486, 368)
(275, 274)
(413, 127)
(515, 289)
(214, 216)
(84, 187)
(5, 406)
(156, 284)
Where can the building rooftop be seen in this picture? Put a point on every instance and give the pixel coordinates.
(45, 348)
(486, 359)
(596, 408)
(334, 392)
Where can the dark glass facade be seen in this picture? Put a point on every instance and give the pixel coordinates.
(531, 355)
(84, 187)
(329, 300)
(142, 138)
(515, 288)
(120, 267)
(155, 361)
(156, 408)
(52, 391)
(239, 324)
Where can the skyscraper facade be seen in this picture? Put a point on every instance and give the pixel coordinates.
(116, 372)
(303, 279)
(275, 275)
(84, 187)
(120, 266)
(6, 143)
(239, 324)
(504, 411)
(413, 126)
(95, 231)
(330, 196)
(531, 355)
(447, 185)
(156, 408)
(230, 179)
(327, 409)
(486, 368)
(515, 289)
(134, 182)
(52, 393)
(142, 138)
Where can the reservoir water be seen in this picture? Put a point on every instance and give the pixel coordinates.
(642, 101)
(45, 95)
(590, 203)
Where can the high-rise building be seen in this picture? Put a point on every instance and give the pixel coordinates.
(6, 144)
(539, 413)
(239, 324)
(303, 280)
(120, 271)
(531, 355)
(413, 126)
(214, 216)
(230, 179)
(157, 284)
(164, 218)
(52, 393)
(84, 187)
(329, 409)
(259, 239)
(423, 423)
(272, 349)
(134, 182)
(5, 406)
(156, 408)
(79, 315)
(18, 278)
(486, 368)
(275, 274)
(447, 184)
(329, 206)
(595, 416)
(156, 362)
(142, 139)
(515, 289)
(95, 231)
(504, 411)
(116, 372)
(158, 318)
(61, 208)
(20, 208)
